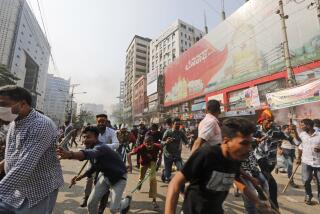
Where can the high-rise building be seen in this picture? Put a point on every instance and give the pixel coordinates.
(139, 103)
(171, 43)
(137, 65)
(24, 48)
(56, 98)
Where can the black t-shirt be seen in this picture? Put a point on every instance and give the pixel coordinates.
(210, 175)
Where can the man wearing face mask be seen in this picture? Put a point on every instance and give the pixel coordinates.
(33, 171)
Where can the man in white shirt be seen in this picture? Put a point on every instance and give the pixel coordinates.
(209, 129)
(109, 137)
(309, 155)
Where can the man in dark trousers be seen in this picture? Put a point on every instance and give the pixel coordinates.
(172, 148)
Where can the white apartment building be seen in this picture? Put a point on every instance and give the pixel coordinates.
(171, 43)
(137, 65)
(24, 48)
(57, 98)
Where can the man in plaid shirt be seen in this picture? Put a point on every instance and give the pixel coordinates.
(33, 172)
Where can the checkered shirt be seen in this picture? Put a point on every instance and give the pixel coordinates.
(32, 167)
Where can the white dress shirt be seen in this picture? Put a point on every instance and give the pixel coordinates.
(309, 142)
(209, 130)
(110, 138)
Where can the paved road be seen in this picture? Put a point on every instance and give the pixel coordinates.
(69, 199)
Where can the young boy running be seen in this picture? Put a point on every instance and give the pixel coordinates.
(150, 158)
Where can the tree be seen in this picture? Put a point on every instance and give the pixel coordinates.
(6, 77)
(84, 117)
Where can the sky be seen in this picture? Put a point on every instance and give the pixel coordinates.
(89, 38)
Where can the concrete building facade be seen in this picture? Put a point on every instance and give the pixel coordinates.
(140, 102)
(171, 43)
(137, 65)
(56, 98)
(24, 48)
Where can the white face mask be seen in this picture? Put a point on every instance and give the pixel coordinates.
(6, 114)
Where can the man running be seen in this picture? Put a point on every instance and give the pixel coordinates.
(172, 148)
(211, 171)
(309, 155)
(109, 168)
(209, 129)
(150, 158)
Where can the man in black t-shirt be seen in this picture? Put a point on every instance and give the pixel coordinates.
(211, 171)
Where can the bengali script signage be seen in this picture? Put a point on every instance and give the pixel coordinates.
(300, 95)
(243, 48)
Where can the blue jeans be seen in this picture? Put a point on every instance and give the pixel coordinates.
(307, 173)
(101, 188)
(45, 206)
(168, 162)
(289, 155)
(249, 206)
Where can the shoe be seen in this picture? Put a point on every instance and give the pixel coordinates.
(163, 178)
(127, 208)
(84, 202)
(155, 205)
(307, 200)
(294, 185)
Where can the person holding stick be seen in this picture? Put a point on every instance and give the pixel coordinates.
(150, 158)
(110, 169)
(309, 157)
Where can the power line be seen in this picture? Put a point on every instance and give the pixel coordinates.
(43, 25)
(46, 34)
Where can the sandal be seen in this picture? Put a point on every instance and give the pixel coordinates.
(155, 205)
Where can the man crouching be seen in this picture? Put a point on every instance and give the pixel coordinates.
(110, 169)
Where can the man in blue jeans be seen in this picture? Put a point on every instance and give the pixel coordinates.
(309, 156)
(110, 170)
(172, 147)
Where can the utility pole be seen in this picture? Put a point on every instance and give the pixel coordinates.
(291, 79)
(223, 13)
(318, 9)
(205, 23)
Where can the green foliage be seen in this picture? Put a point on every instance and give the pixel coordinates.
(6, 77)
(84, 117)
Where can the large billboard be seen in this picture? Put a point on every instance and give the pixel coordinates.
(246, 46)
